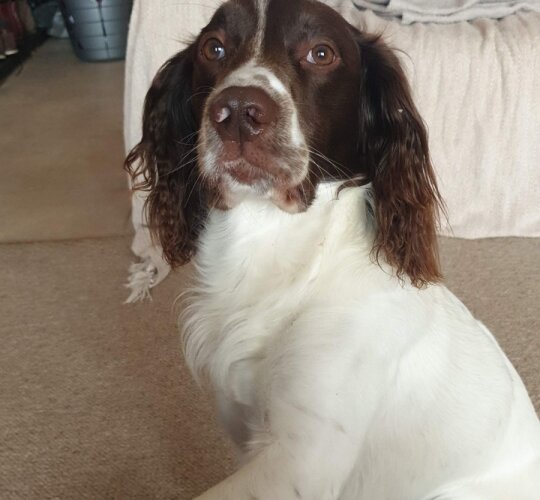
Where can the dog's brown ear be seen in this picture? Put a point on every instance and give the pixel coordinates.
(394, 149)
(164, 161)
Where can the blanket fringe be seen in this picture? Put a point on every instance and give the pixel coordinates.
(142, 277)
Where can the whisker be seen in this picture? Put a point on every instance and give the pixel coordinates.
(186, 141)
(188, 153)
(198, 178)
(338, 166)
(322, 171)
(182, 165)
(202, 92)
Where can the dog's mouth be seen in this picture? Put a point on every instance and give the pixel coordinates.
(249, 164)
(239, 171)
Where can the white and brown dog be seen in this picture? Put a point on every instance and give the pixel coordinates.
(283, 153)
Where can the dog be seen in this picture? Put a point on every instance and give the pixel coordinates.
(283, 155)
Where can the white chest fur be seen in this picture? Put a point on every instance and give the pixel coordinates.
(257, 266)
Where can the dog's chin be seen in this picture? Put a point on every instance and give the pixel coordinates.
(245, 173)
(240, 181)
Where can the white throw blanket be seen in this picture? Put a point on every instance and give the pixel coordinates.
(446, 11)
(476, 84)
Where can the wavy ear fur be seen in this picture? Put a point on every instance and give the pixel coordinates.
(164, 161)
(394, 148)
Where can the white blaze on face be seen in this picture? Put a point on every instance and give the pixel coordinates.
(262, 6)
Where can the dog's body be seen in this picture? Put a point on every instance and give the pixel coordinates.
(282, 150)
(350, 388)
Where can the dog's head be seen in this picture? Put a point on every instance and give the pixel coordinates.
(271, 98)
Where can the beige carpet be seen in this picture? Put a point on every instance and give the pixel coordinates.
(61, 148)
(96, 402)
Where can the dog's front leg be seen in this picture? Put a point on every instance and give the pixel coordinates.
(282, 472)
(314, 427)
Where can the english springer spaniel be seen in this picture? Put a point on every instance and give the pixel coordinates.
(283, 154)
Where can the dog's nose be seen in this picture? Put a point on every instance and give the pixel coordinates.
(242, 113)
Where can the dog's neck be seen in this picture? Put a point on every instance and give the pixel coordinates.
(273, 245)
(258, 263)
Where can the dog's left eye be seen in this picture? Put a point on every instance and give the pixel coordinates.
(322, 55)
(213, 49)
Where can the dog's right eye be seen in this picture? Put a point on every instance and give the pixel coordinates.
(213, 50)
